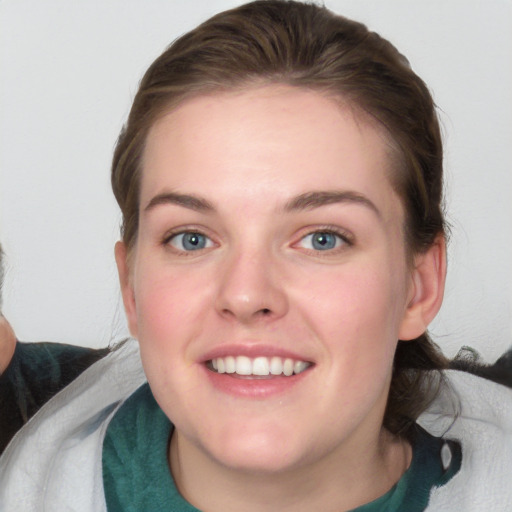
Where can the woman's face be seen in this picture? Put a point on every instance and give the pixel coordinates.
(270, 242)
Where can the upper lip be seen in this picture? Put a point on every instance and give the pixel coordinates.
(252, 351)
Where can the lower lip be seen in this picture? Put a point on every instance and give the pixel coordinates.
(256, 387)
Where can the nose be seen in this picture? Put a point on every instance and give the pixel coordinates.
(251, 289)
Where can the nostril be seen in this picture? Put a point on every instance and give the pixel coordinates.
(265, 311)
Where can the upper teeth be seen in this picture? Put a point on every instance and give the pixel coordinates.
(243, 365)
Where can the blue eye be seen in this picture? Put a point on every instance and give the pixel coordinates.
(322, 241)
(190, 241)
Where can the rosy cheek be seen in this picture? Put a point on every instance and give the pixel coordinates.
(356, 303)
(160, 299)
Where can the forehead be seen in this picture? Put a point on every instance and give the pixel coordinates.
(273, 139)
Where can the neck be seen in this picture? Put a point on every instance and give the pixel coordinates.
(342, 480)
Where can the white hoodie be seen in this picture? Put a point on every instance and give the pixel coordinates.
(54, 462)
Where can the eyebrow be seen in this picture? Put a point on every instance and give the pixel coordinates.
(316, 199)
(189, 201)
(306, 201)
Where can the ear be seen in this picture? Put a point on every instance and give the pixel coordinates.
(123, 269)
(427, 290)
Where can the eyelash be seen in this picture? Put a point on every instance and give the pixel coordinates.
(347, 240)
(167, 239)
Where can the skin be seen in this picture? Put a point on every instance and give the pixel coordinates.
(7, 343)
(259, 282)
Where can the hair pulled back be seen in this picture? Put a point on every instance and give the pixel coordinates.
(308, 46)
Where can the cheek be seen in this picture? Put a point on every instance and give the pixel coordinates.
(356, 299)
(168, 301)
(352, 317)
(357, 313)
(168, 310)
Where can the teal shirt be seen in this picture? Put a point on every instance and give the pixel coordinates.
(136, 473)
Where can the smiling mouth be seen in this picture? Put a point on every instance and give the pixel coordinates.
(257, 367)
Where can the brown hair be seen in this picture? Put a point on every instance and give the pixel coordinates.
(305, 45)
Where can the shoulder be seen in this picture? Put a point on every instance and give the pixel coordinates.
(69, 428)
(36, 372)
(477, 413)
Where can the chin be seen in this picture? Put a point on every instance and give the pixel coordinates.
(263, 450)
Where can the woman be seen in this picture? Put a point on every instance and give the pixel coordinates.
(280, 179)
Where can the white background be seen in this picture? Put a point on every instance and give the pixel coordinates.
(68, 73)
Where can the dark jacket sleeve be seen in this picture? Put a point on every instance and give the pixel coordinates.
(35, 374)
